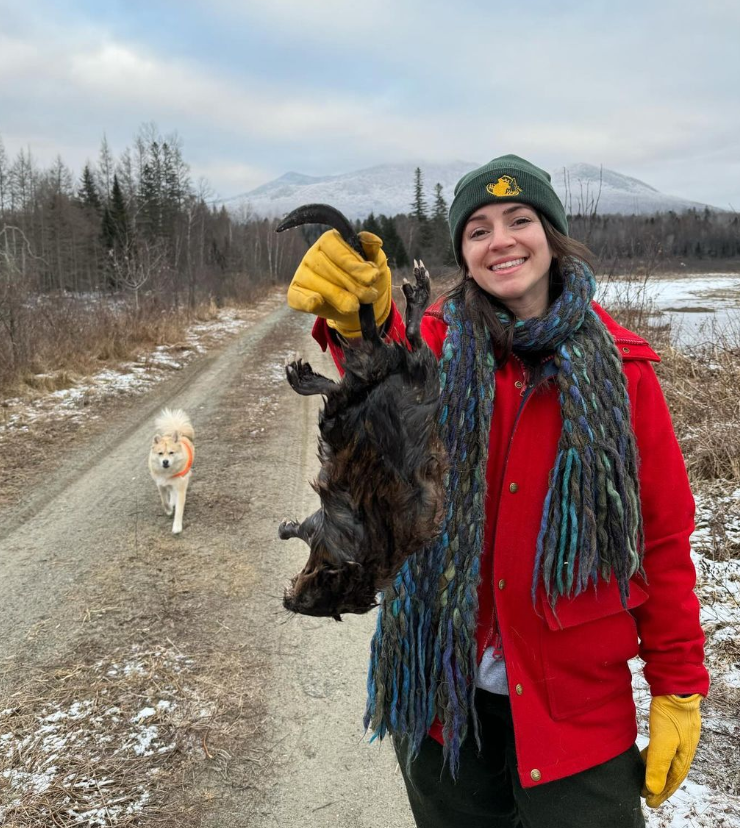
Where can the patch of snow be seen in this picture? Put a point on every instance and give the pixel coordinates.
(143, 741)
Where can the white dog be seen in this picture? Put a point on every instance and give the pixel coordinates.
(170, 461)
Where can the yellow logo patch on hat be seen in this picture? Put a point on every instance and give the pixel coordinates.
(505, 186)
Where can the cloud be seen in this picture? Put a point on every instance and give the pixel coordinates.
(328, 87)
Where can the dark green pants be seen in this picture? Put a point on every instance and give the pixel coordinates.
(488, 794)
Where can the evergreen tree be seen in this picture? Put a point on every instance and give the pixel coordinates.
(440, 205)
(149, 197)
(423, 238)
(88, 191)
(115, 232)
(441, 242)
(372, 225)
(392, 243)
(119, 214)
(419, 205)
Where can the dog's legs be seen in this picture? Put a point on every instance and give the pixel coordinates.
(181, 491)
(164, 494)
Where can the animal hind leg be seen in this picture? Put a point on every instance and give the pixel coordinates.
(304, 380)
(305, 530)
(417, 299)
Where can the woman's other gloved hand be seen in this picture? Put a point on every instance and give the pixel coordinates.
(675, 725)
(332, 280)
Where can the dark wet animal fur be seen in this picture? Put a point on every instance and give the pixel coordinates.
(382, 465)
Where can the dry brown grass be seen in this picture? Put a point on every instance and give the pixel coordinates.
(702, 393)
(701, 386)
(106, 742)
(63, 337)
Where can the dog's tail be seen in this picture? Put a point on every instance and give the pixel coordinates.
(170, 421)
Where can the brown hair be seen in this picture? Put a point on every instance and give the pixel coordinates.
(484, 309)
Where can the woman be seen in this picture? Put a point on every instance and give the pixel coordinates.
(500, 660)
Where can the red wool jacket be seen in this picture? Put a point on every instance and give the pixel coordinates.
(569, 682)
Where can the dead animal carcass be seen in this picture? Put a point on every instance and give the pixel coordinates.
(382, 462)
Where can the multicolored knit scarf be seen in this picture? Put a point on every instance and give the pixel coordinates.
(423, 654)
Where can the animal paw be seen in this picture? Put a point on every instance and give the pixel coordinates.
(418, 294)
(298, 371)
(287, 529)
(304, 380)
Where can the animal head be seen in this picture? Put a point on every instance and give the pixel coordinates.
(330, 583)
(168, 453)
(329, 591)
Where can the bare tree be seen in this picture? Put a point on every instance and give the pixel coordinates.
(137, 265)
(16, 261)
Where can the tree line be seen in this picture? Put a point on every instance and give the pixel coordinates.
(137, 224)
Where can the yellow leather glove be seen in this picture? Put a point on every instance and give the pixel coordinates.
(332, 279)
(675, 724)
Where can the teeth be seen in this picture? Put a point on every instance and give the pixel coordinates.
(506, 265)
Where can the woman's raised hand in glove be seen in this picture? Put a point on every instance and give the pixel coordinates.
(332, 280)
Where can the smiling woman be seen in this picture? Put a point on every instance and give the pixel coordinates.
(507, 254)
(500, 661)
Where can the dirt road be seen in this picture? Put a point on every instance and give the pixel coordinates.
(261, 711)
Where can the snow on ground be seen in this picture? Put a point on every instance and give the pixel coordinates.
(74, 404)
(86, 759)
(698, 306)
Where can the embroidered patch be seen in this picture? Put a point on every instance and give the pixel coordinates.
(505, 186)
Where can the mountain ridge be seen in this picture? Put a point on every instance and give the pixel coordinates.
(389, 189)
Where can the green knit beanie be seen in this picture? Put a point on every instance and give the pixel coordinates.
(507, 178)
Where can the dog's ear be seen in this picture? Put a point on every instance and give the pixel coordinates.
(176, 437)
(157, 438)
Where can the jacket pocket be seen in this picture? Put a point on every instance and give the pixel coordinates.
(586, 644)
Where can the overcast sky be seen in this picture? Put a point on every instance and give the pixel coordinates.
(257, 88)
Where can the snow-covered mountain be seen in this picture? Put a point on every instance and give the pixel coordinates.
(389, 189)
(583, 186)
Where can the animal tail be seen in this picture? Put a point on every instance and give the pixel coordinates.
(170, 421)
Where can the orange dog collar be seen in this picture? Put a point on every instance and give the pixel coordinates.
(189, 449)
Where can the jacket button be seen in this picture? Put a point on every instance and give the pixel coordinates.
(519, 689)
(536, 775)
(518, 384)
(513, 487)
(501, 584)
(625, 350)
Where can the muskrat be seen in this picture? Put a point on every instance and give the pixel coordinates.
(382, 461)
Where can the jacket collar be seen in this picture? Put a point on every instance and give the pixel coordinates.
(629, 344)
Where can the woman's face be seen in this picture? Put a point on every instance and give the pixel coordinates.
(507, 254)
